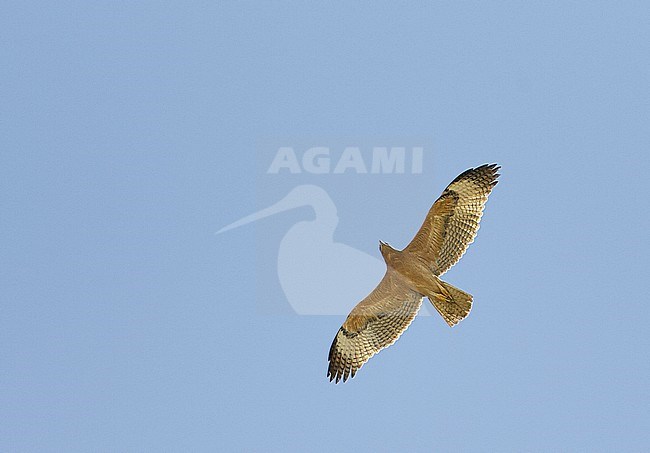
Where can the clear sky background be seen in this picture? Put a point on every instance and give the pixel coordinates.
(131, 131)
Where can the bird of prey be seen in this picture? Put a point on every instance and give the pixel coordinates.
(413, 273)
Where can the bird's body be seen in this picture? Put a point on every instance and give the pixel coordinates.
(413, 273)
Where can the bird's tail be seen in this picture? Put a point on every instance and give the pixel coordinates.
(452, 303)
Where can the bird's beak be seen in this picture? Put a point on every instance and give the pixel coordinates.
(283, 205)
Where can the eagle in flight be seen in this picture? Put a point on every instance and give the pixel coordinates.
(413, 273)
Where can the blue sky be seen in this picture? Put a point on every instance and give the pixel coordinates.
(132, 132)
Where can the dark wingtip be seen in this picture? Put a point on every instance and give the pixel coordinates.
(493, 168)
(337, 370)
(338, 375)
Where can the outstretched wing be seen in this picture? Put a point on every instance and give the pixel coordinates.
(453, 220)
(374, 324)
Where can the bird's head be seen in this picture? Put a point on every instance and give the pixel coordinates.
(385, 249)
